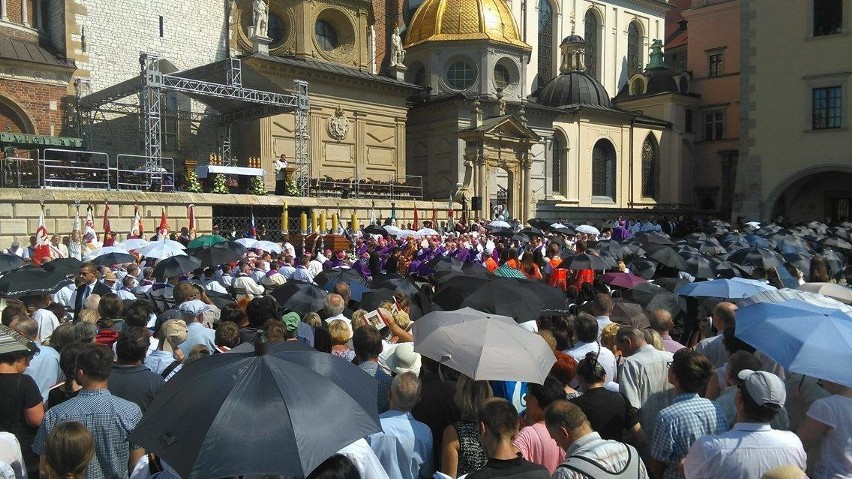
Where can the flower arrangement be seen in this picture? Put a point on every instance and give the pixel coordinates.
(293, 187)
(257, 186)
(220, 186)
(192, 183)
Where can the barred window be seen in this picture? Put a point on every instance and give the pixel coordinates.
(650, 165)
(603, 170)
(827, 108)
(591, 33)
(545, 42)
(634, 49)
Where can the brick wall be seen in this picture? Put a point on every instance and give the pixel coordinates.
(35, 99)
(386, 13)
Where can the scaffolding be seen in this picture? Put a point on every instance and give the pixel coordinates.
(155, 82)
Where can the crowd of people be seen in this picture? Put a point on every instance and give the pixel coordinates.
(682, 397)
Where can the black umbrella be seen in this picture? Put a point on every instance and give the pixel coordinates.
(584, 261)
(218, 254)
(665, 255)
(728, 270)
(176, 266)
(644, 268)
(452, 293)
(9, 262)
(341, 274)
(110, 259)
(372, 299)
(735, 241)
(633, 314)
(653, 297)
(67, 266)
(257, 413)
(445, 263)
(300, 297)
(375, 229)
(613, 247)
(541, 224)
(652, 237)
(551, 298)
(29, 280)
(671, 284)
(505, 232)
(532, 231)
(699, 266)
(501, 297)
(801, 261)
(565, 230)
(396, 283)
(521, 238)
(442, 277)
(756, 258)
(834, 259)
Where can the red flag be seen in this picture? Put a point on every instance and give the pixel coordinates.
(163, 230)
(416, 225)
(42, 246)
(107, 228)
(192, 220)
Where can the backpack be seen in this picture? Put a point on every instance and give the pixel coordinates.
(593, 469)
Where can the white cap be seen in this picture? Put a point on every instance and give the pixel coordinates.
(763, 387)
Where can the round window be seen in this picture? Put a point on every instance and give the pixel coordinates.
(326, 35)
(501, 76)
(460, 75)
(276, 30)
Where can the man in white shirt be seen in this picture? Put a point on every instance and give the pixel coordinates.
(334, 306)
(286, 269)
(602, 307)
(586, 340)
(724, 316)
(752, 447)
(244, 283)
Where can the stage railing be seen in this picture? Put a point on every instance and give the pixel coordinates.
(86, 172)
(393, 187)
(19, 172)
(131, 173)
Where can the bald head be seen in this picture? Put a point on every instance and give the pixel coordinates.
(661, 321)
(334, 304)
(724, 315)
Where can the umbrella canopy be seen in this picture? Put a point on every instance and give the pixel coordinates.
(587, 229)
(483, 346)
(653, 237)
(102, 251)
(832, 290)
(532, 231)
(671, 284)
(756, 241)
(357, 289)
(205, 241)
(504, 232)
(300, 297)
(66, 266)
(551, 298)
(9, 262)
(373, 299)
(426, 232)
(801, 261)
(110, 259)
(584, 261)
(699, 266)
(30, 280)
(625, 312)
(341, 274)
(834, 259)
(501, 297)
(498, 224)
(135, 243)
(220, 253)
(541, 224)
(653, 297)
(452, 293)
(268, 246)
(445, 263)
(836, 243)
(613, 247)
(734, 288)
(781, 295)
(756, 258)
(565, 230)
(521, 238)
(801, 337)
(163, 249)
(665, 255)
(247, 413)
(375, 229)
(644, 268)
(176, 266)
(623, 280)
(396, 283)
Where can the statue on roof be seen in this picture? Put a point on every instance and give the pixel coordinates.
(397, 52)
(260, 18)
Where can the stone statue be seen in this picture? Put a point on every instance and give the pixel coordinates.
(260, 18)
(397, 53)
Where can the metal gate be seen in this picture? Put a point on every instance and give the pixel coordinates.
(236, 221)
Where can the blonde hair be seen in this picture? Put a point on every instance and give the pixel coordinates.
(548, 338)
(69, 449)
(608, 337)
(359, 318)
(402, 320)
(313, 320)
(90, 316)
(339, 331)
(654, 339)
(470, 395)
(92, 302)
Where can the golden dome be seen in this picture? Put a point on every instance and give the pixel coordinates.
(453, 20)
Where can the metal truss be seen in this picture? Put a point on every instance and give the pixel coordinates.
(152, 83)
(302, 130)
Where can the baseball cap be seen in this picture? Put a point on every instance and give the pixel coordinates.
(764, 387)
(194, 307)
(291, 321)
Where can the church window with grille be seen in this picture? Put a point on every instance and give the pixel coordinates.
(545, 42)
(603, 170)
(559, 161)
(591, 33)
(650, 165)
(634, 49)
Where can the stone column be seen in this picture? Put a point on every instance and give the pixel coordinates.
(482, 190)
(25, 18)
(37, 15)
(4, 11)
(526, 168)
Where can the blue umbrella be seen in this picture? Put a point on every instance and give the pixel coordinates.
(758, 241)
(801, 337)
(734, 288)
(355, 287)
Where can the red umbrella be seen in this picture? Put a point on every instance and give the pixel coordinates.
(623, 280)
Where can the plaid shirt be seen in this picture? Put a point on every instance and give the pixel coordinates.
(507, 271)
(680, 424)
(384, 381)
(109, 418)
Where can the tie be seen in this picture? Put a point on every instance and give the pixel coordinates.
(81, 296)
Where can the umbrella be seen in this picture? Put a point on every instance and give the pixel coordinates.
(427, 232)
(247, 413)
(584, 261)
(396, 283)
(357, 289)
(653, 237)
(66, 266)
(163, 249)
(532, 231)
(757, 258)
(587, 229)
(541, 224)
(699, 266)
(176, 266)
(644, 268)
(135, 243)
(781, 295)
(623, 280)
(653, 297)
(756, 241)
(521, 238)
(735, 241)
(393, 230)
(102, 251)
(501, 297)
(445, 263)
(802, 262)
(375, 229)
(483, 346)
(300, 297)
(505, 232)
(268, 246)
(30, 280)
(625, 312)
(452, 292)
(726, 269)
(109, 259)
(834, 260)
(9, 262)
(671, 284)
(220, 253)
(832, 290)
(665, 255)
(373, 299)
(613, 247)
(551, 298)
(801, 337)
(498, 224)
(836, 243)
(340, 274)
(247, 242)
(565, 230)
(734, 288)
(206, 240)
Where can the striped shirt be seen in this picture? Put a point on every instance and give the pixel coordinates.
(611, 455)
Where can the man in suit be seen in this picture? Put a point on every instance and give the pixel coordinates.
(89, 285)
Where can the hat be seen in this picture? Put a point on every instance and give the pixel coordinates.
(194, 307)
(291, 321)
(787, 471)
(109, 276)
(402, 359)
(175, 329)
(763, 387)
(12, 342)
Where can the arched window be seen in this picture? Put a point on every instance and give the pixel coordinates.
(591, 34)
(634, 49)
(650, 167)
(603, 170)
(545, 42)
(559, 163)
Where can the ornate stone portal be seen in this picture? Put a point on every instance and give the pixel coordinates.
(500, 142)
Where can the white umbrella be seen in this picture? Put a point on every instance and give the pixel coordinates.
(404, 233)
(104, 250)
(499, 224)
(135, 243)
(483, 346)
(588, 229)
(163, 249)
(781, 295)
(391, 229)
(832, 290)
(247, 242)
(268, 246)
(426, 232)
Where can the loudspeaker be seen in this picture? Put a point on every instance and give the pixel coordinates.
(476, 203)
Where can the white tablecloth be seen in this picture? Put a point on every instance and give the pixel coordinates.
(204, 170)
